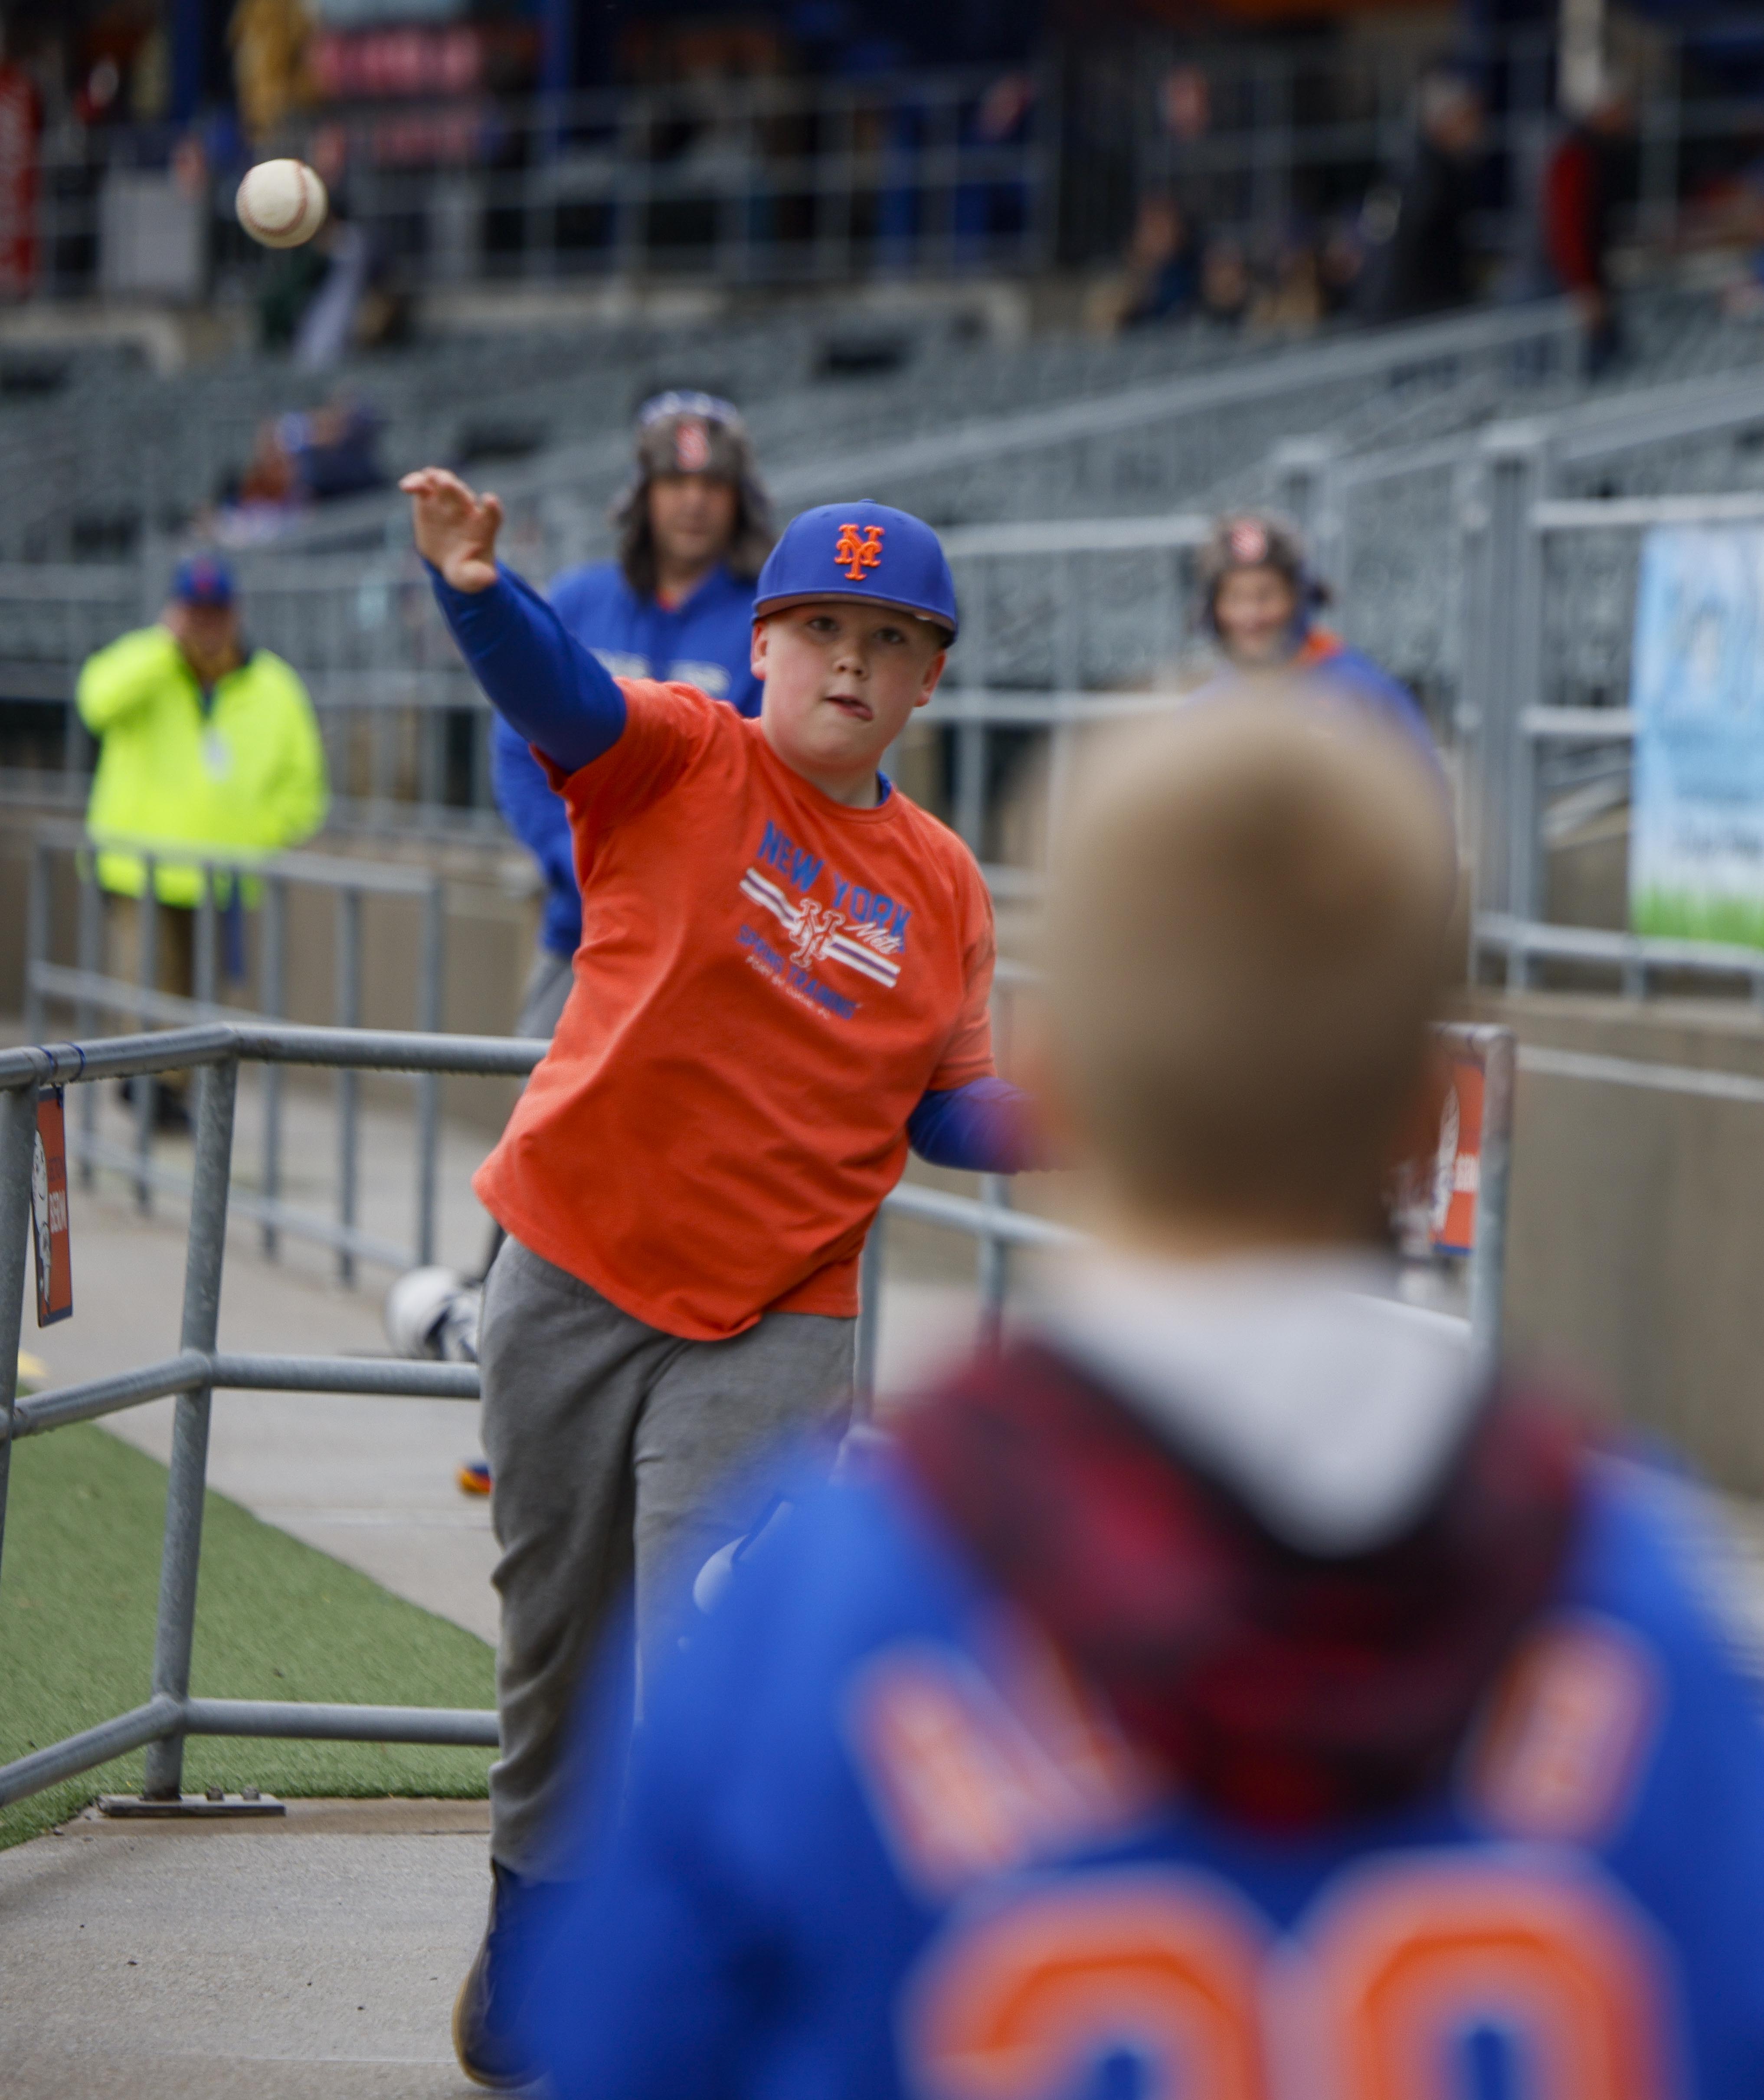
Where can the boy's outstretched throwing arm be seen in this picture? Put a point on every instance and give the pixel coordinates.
(537, 676)
(569, 707)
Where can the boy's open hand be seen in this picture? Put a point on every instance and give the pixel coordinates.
(456, 528)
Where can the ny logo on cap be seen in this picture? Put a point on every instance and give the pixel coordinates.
(858, 549)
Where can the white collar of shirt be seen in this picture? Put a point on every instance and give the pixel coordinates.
(1329, 1409)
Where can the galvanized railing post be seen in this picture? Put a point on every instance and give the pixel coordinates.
(18, 1147)
(1298, 465)
(91, 937)
(147, 978)
(204, 972)
(205, 975)
(36, 910)
(272, 992)
(429, 1084)
(1488, 1258)
(994, 1261)
(1509, 614)
(1526, 617)
(1068, 664)
(72, 739)
(970, 796)
(348, 1079)
(1478, 824)
(968, 773)
(869, 1335)
(181, 1557)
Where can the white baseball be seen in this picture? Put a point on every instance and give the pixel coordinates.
(281, 203)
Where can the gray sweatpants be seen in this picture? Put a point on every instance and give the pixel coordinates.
(617, 1450)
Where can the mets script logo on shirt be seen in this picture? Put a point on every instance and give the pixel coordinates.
(859, 548)
(818, 930)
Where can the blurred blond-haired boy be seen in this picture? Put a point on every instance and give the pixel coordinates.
(1234, 1685)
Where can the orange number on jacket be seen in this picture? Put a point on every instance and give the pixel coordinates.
(1369, 2001)
(1163, 1964)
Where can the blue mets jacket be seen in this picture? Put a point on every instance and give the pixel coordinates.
(874, 1845)
(707, 642)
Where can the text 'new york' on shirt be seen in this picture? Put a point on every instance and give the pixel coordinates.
(768, 982)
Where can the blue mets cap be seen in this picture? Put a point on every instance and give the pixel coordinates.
(202, 580)
(861, 549)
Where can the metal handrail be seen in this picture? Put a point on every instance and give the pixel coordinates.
(91, 993)
(1509, 925)
(200, 1369)
(1244, 382)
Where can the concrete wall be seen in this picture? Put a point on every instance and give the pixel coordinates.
(1636, 1259)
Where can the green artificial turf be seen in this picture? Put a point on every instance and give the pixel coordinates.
(274, 1620)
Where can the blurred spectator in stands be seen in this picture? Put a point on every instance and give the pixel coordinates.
(304, 457)
(1227, 288)
(271, 41)
(339, 292)
(1291, 301)
(1590, 172)
(335, 295)
(335, 448)
(1341, 269)
(995, 205)
(1162, 279)
(1427, 266)
(204, 742)
(1258, 601)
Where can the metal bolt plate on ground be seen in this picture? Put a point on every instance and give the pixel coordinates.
(195, 1806)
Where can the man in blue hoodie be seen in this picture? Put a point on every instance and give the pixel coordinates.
(694, 524)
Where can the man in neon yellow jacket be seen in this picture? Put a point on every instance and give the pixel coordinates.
(204, 742)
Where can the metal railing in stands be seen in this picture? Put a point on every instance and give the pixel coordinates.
(354, 621)
(1515, 721)
(916, 174)
(94, 996)
(738, 180)
(1151, 442)
(200, 1370)
(1400, 531)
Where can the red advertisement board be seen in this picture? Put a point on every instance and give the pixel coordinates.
(49, 1211)
(20, 122)
(1458, 1170)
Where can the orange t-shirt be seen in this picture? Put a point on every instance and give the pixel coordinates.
(768, 981)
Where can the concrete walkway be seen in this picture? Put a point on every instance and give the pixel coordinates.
(316, 1956)
(319, 1955)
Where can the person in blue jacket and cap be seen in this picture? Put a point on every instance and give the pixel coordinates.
(1259, 600)
(694, 526)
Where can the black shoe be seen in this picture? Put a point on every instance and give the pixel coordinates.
(489, 2032)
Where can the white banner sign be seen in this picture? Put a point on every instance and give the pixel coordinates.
(1697, 838)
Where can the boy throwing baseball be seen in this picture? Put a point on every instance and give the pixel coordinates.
(784, 980)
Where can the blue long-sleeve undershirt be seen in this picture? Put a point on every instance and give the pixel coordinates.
(565, 702)
(984, 1127)
(537, 676)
